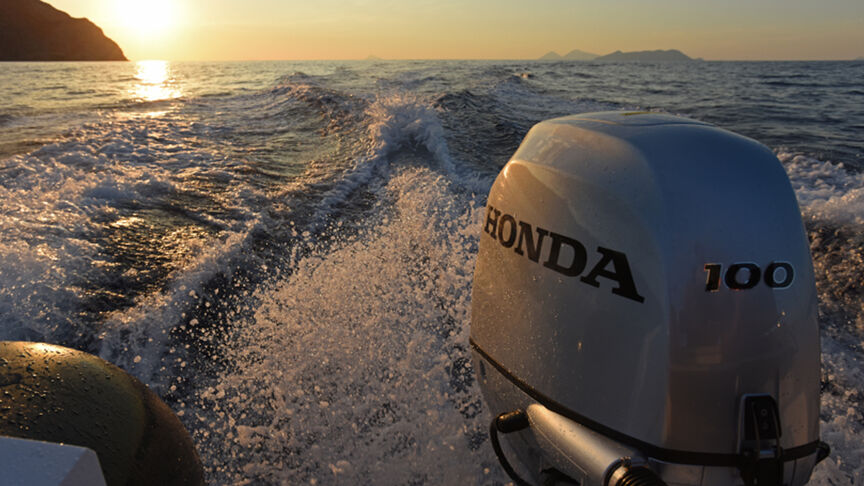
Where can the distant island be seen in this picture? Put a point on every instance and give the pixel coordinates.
(663, 56)
(32, 30)
(618, 56)
(574, 55)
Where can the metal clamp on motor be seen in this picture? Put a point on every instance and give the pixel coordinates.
(762, 456)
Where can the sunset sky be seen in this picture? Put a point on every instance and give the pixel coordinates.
(474, 29)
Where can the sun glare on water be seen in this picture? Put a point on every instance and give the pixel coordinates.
(154, 82)
(148, 19)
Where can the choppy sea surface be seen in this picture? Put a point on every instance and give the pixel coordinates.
(284, 251)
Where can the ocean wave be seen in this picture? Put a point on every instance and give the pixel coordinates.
(107, 215)
(787, 83)
(298, 78)
(786, 76)
(462, 100)
(395, 123)
(832, 203)
(137, 103)
(336, 346)
(216, 94)
(336, 108)
(141, 338)
(571, 74)
(827, 192)
(409, 82)
(79, 92)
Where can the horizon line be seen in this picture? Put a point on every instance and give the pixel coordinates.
(441, 59)
(379, 59)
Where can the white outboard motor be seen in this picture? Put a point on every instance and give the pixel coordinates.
(644, 308)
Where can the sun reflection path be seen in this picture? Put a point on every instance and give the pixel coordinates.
(154, 82)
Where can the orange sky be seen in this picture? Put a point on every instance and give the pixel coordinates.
(474, 29)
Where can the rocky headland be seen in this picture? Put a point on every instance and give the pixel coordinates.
(32, 30)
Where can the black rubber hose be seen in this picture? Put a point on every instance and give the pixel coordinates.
(505, 423)
(823, 450)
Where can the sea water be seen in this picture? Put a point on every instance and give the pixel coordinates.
(284, 251)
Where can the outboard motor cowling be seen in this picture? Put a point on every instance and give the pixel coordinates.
(644, 303)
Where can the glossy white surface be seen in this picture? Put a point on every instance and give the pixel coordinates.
(36, 463)
(672, 195)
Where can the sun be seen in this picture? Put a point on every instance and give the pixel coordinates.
(148, 19)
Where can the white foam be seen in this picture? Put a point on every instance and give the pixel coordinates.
(59, 205)
(826, 191)
(404, 120)
(832, 205)
(344, 374)
(841, 424)
(394, 123)
(138, 338)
